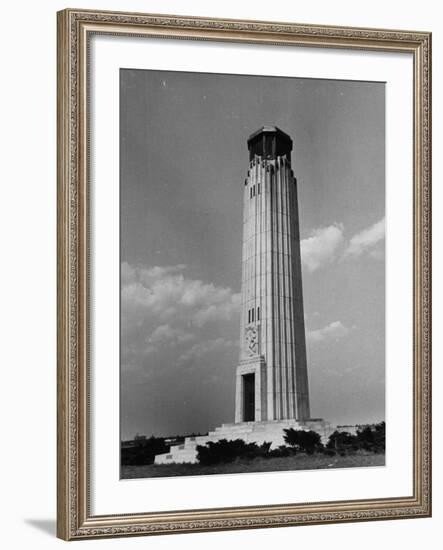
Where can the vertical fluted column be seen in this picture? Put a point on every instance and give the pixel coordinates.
(267, 324)
(301, 374)
(272, 298)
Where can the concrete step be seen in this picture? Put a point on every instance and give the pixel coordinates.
(222, 433)
(250, 432)
(179, 457)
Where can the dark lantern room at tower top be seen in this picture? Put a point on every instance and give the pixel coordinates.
(269, 142)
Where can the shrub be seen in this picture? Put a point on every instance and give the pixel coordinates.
(143, 452)
(282, 451)
(368, 438)
(303, 440)
(373, 438)
(380, 437)
(342, 442)
(223, 451)
(329, 452)
(365, 438)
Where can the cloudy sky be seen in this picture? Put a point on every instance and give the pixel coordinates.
(183, 163)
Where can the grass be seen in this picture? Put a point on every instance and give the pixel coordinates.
(297, 462)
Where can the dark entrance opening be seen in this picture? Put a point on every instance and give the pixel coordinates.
(249, 397)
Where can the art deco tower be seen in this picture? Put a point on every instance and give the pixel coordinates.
(272, 380)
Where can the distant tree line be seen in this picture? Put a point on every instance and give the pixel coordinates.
(143, 450)
(371, 438)
(222, 451)
(366, 439)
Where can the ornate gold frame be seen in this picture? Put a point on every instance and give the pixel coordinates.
(74, 30)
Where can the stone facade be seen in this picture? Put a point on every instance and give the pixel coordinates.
(272, 333)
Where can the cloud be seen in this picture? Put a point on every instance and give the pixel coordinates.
(130, 274)
(322, 246)
(167, 335)
(334, 330)
(165, 291)
(203, 348)
(367, 240)
(163, 311)
(328, 244)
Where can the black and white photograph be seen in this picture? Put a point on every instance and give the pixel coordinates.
(252, 273)
(219, 284)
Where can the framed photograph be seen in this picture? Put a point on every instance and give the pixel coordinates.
(244, 315)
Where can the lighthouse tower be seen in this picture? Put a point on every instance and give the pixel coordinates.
(272, 380)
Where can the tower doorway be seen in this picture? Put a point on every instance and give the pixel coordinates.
(249, 397)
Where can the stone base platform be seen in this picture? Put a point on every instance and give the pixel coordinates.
(250, 432)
